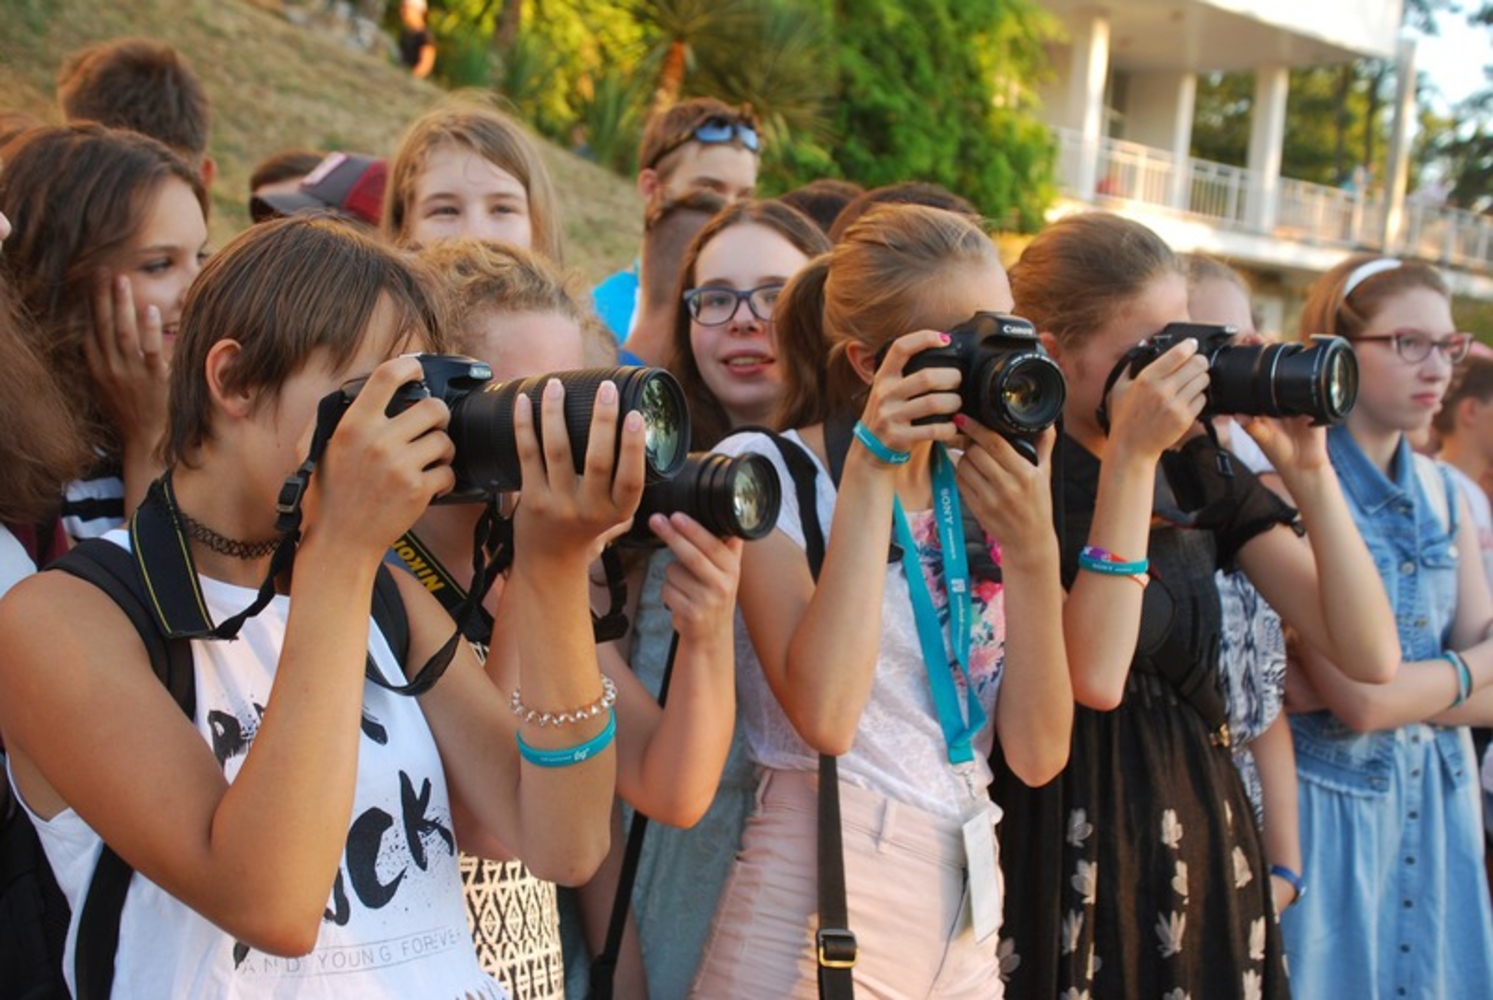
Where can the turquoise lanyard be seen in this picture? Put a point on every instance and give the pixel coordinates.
(958, 733)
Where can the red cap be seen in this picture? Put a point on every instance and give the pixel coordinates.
(347, 183)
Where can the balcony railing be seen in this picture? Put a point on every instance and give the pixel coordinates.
(1236, 198)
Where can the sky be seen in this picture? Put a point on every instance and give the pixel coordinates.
(1454, 58)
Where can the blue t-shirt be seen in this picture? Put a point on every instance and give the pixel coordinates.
(616, 301)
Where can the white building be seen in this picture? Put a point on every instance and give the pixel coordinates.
(1121, 103)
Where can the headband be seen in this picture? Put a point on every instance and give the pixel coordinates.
(1363, 272)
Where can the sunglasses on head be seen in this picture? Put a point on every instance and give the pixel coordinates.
(715, 132)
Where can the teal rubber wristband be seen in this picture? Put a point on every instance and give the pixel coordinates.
(1464, 675)
(1098, 561)
(874, 445)
(571, 755)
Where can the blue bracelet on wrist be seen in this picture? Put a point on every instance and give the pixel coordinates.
(1097, 560)
(1296, 881)
(874, 445)
(1464, 675)
(571, 755)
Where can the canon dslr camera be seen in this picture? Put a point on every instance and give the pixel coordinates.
(1317, 380)
(1010, 384)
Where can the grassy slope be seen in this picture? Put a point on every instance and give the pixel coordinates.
(274, 86)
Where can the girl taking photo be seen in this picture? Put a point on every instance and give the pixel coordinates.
(856, 664)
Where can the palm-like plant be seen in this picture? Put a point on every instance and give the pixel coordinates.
(681, 28)
(781, 65)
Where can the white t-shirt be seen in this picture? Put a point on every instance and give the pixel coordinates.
(15, 564)
(1482, 514)
(899, 748)
(395, 925)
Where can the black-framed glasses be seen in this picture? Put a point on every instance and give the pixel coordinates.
(1414, 346)
(715, 131)
(713, 306)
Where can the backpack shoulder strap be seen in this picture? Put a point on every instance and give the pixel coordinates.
(113, 570)
(806, 488)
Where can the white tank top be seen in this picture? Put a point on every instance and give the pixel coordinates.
(394, 926)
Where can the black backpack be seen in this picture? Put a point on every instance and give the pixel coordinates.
(36, 957)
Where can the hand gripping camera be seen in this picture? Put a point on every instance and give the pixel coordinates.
(1010, 384)
(481, 424)
(1317, 380)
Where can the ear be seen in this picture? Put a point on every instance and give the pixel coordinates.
(221, 357)
(648, 184)
(1467, 411)
(1050, 344)
(209, 171)
(862, 359)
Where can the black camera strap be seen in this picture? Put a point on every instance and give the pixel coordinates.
(835, 947)
(613, 625)
(164, 558)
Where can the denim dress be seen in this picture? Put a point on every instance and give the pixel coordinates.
(1391, 830)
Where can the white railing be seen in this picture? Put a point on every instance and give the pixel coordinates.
(1234, 197)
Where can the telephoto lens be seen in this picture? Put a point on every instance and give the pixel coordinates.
(731, 497)
(1317, 380)
(481, 425)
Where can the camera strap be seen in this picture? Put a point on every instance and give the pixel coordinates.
(959, 726)
(612, 626)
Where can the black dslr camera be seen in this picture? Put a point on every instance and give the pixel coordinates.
(731, 498)
(482, 417)
(1319, 380)
(1010, 383)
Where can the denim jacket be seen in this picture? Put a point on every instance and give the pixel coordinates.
(1416, 555)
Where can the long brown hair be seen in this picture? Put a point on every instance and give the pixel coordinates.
(709, 422)
(41, 443)
(1082, 269)
(75, 194)
(469, 121)
(877, 283)
(283, 290)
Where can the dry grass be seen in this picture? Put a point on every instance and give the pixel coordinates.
(275, 86)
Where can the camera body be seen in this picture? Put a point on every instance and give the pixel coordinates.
(1009, 382)
(448, 377)
(481, 424)
(1319, 380)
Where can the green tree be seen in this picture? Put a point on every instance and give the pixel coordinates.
(919, 98)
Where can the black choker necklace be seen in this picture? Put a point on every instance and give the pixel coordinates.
(224, 545)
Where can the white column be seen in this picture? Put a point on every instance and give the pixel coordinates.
(1267, 139)
(1158, 112)
(1397, 172)
(1087, 72)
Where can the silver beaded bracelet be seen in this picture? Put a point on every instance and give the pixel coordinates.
(591, 711)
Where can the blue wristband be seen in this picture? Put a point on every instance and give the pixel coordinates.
(1296, 881)
(1464, 675)
(873, 444)
(1097, 560)
(570, 755)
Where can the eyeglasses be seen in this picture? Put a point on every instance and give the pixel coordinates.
(1413, 347)
(714, 132)
(714, 306)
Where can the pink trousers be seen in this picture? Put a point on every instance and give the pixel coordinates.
(904, 872)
